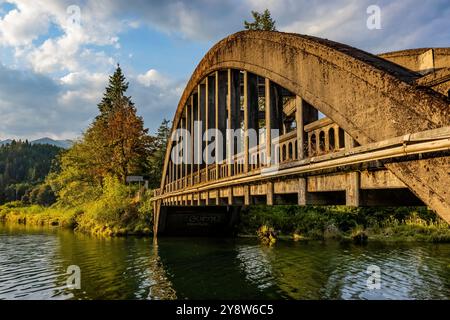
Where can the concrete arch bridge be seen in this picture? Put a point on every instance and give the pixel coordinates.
(317, 122)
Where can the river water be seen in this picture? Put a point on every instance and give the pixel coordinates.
(34, 263)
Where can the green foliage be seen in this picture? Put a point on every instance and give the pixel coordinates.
(262, 21)
(15, 212)
(89, 178)
(158, 153)
(310, 222)
(114, 212)
(42, 195)
(22, 167)
(115, 145)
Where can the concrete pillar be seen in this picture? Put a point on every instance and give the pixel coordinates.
(187, 147)
(192, 118)
(156, 213)
(336, 137)
(250, 113)
(210, 99)
(246, 122)
(176, 165)
(300, 127)
(246, 195)
(302, 189)
(170, 166)
(202, 118)
(352, 193)
(221, 116)
(217, 197)
(273, 115)
(181, 148)
(269, 193)
(230, 196)
(207, 198)
(233, 110)
(349, 142)
(268, 117)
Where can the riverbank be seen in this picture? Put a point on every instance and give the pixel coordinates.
(343, 224)
(131, 217)
(92, 218)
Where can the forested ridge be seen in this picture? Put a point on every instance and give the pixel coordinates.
(23, 166)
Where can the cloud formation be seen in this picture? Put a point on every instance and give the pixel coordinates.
(53, 70)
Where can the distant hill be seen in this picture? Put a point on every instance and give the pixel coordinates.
(65, 144)
(2, 142)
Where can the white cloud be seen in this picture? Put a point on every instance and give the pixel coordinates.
(24, 24)
(152, 78)
(64, 73)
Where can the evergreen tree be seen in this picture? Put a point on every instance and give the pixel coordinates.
(23, 166)
(116, 145)
(114, 93)
(262, 21)
(156, 159)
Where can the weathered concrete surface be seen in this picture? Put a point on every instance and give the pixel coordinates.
(429, 179)
(420, 60)
(438, 80)
(370, 98)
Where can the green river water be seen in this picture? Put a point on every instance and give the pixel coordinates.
(34, 263)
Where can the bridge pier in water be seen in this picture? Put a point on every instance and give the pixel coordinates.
(290, 127)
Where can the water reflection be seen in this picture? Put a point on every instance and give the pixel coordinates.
(33, 264)
(160, 288)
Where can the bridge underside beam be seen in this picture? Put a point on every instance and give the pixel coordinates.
(429, 179)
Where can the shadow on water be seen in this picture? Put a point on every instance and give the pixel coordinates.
(34, 261)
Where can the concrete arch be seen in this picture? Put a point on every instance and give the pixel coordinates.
(372, 99)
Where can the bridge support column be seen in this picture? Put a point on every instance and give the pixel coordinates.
(192, 150)
(349, 142)
(246, 195)
(250, 117)
(207, 198)
(300, 127)
(352, 193)
(217, 197)
(202, 117)
(233, 110)
(269, 193)
(210, 101)
(156, 211)
(221, 118)
(302, 191)
(230, 196)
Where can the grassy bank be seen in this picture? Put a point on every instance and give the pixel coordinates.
(344, 223)
(104, 217)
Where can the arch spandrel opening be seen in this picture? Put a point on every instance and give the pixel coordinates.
(236, 122)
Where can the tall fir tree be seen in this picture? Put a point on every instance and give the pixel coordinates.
(114, 93)
(262, 21)
(115, 144)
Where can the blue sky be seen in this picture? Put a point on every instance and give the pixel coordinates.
(53, 71)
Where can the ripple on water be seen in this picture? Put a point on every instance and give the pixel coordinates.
(33, 265)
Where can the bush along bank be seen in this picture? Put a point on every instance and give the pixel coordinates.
(113, 213)
(343, 223)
